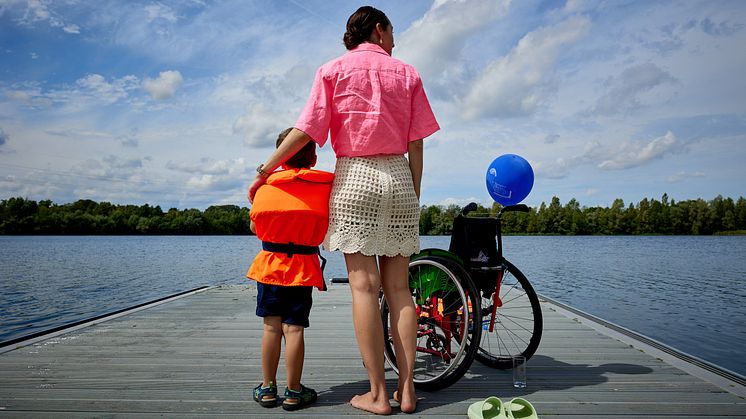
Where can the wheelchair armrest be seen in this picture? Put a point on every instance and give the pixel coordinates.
(518, 207)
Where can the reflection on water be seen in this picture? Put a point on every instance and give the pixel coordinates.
(688, 292)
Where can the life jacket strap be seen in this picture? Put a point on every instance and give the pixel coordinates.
(295, 249)
(290, 248)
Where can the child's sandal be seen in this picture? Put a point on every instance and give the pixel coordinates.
(266, 396)
(301, 398)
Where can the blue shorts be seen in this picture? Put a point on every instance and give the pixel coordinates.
(292, 304)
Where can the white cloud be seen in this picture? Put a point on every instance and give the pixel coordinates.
(551, 138)
(515, 85)
(722, 28)
(210, 166)
(129, 141)
(591, 192)
(259, 126)
(214, 183)
(556, 169)
(624, 90)
(77, 133)
(71, 28)
(117, 168)
(682, 175)
(434, 43)
(624, 155)
(631, 154)
(20, 95)
(163, 87)
(159, 11)
(95, 88)
(213, 175)
(116, 162)
(88, 93)
(38, 11)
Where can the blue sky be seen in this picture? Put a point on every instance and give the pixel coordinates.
(174, 103)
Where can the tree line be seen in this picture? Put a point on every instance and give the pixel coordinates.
(649, 216)
(24, 216)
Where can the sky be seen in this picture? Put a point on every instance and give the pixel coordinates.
(175, 103)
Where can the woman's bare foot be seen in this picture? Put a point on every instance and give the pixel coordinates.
(368, 403)
(409, 402)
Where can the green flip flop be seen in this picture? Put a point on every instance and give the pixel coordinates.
(519, 408)
(489, 408)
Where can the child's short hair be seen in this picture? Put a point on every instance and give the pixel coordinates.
(304, 158)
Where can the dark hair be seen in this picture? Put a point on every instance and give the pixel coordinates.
(304, 158)
(361, 24)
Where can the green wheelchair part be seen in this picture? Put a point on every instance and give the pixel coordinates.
(429, 280)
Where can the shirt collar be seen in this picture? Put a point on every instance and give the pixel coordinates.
(367, 46)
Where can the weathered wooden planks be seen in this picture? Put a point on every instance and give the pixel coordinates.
(198, 356)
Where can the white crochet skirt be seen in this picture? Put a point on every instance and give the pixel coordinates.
(373, 208)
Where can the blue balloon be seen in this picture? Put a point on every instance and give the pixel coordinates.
(509, 179)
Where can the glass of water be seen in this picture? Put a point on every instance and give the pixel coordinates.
(519, 371)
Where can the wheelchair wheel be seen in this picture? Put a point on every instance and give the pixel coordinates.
(447, 306)
(518, 321)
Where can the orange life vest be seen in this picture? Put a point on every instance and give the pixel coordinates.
(292, 207)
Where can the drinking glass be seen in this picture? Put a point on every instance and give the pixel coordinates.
(519, 371)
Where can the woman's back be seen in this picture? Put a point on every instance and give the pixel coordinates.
(372, 104)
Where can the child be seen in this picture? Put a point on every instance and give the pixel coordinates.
(290, 215)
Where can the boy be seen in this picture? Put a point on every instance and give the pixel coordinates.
(290, 215)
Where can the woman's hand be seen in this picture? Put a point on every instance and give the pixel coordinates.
(415, 151)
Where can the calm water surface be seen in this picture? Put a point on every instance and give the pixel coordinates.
(688, 292)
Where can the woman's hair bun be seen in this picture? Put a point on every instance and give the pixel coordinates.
(361, 24)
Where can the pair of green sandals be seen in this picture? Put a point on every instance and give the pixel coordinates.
(294, 400)
(493, 408)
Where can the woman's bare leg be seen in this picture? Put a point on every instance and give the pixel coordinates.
(365, 283)
(394, 278)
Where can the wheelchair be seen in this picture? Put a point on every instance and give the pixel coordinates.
(470, 302)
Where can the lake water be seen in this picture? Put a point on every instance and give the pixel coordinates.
(688, 292)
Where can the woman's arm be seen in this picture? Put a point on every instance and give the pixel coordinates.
(415, 151)
(294, 141)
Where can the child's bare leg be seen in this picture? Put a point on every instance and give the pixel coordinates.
(271, 346)
(365, 283)
(295, 349)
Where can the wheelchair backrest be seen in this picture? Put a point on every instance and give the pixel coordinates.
(474, 241)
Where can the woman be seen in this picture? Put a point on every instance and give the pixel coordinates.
(377, 111)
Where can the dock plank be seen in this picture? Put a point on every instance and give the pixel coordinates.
(199, 356)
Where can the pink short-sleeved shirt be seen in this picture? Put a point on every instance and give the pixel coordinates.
(371, 103)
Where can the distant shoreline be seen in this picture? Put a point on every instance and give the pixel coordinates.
(722, 216)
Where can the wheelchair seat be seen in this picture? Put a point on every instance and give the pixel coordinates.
(474, 241)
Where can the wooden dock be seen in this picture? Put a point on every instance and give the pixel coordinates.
(198, 355)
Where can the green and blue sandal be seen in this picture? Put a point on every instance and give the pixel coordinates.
(295, 400)
(266, 396)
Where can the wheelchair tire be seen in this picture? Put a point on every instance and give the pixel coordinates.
(518, 322)
(448, 313)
